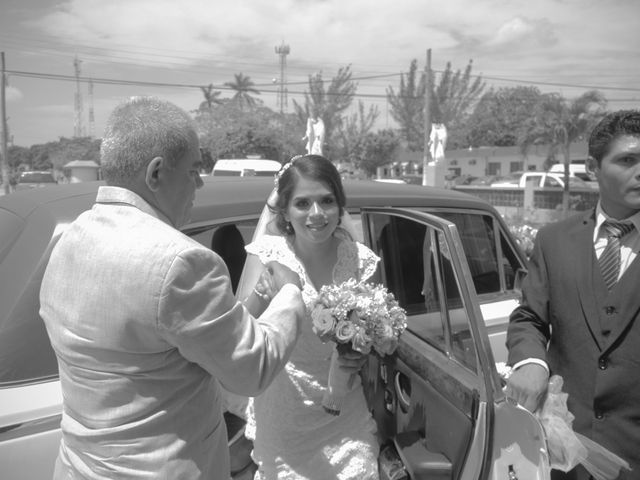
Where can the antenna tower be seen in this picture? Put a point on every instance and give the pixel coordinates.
(283, 50)
(91, 118)
(77, 125)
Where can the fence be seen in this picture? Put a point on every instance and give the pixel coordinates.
(536, 206)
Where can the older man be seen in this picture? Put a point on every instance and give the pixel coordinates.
(143, 320)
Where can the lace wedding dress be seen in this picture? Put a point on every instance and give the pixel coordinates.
(294, 437)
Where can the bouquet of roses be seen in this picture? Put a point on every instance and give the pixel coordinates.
(356, 316)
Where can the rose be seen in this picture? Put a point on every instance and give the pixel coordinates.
(361, 341)
(344, 331)
(323, 323)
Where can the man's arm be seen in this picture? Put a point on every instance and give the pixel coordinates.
(199, 315)
(528, 334)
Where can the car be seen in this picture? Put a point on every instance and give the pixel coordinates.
(577, 168)
(244, 167)
(539, 180)
(447, 256)
(397, 181)
(35, 179)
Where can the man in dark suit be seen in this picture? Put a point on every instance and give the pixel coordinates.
(581, 320)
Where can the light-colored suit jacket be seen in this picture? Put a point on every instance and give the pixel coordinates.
(146, 328)
(593, 335)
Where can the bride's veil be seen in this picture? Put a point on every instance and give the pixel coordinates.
(252, 266)
(267, 226)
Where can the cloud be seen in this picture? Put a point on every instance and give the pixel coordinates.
(13, 94)
(522, 32)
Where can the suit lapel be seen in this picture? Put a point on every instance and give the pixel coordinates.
(586, 275)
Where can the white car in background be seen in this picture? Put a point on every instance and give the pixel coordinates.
(245, 167)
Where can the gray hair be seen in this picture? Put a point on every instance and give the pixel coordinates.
(139, 130)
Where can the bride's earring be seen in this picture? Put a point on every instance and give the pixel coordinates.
(289, 228)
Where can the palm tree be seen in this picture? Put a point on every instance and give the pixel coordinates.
(559, 122)
(243, 87)
(210, 97)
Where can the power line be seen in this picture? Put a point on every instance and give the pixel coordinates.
(111, 81)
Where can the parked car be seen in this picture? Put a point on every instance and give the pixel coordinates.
(539, 180)
(35, 179)
(447, 256)
(577, 168)
(245, 167)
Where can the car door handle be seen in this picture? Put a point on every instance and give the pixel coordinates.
(403, 391)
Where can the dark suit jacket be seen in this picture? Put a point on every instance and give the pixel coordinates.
(593, 336)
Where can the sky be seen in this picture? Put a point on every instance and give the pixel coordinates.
(170, 48)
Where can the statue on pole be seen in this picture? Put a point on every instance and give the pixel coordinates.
(314, 134)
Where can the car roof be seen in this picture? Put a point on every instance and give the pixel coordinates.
(237, 195)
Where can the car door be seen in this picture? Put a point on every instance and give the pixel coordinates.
(434, 401)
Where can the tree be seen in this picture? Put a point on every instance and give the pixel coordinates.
(407, 107)
(229, 132)
(352, 133)
(501, 115)
(559, 123)
(381, 148)
(210, 97)
(327, 104)
(451, 101)
(244, 87)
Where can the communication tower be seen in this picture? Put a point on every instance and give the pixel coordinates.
(78, 130)
(283, 50)
(91, 118)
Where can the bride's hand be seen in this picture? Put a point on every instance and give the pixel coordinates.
(265, 286)
(282, 275)
(351, 361)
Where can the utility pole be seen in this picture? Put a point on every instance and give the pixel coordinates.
(77, 125)
(427, 178)
(4, 165)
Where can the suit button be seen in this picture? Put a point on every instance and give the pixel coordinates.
(610, 310)
(602, 364)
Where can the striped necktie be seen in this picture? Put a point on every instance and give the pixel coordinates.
(610, 258)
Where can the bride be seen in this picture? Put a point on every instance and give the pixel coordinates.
(306, 228)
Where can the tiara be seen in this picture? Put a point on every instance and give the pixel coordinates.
(285, 167)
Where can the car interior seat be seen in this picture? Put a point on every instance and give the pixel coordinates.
(227, 242)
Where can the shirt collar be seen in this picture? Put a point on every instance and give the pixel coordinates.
(601, 217)
(110, 194)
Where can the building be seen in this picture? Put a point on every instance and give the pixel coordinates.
(481, 161)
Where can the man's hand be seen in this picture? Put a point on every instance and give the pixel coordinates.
(527, 385)
(282, 275)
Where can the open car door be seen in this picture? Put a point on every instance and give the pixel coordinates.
(438, 400)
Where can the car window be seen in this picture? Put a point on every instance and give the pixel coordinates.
(227, 240)
(417, 267)
(492, 259)
(551, 182)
